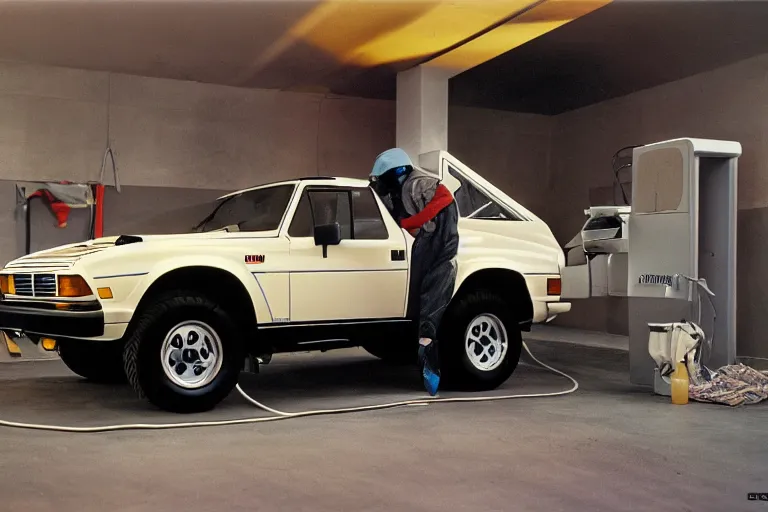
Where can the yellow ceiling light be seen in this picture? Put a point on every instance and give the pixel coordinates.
(341, 27)
(529, 25)
(442, 27)
(371, 33)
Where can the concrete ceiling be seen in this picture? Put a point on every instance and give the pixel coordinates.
(619, 49)
(342, 46)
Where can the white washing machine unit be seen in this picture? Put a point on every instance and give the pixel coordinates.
(683, 228)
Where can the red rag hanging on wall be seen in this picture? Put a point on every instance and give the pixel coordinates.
(59, 209)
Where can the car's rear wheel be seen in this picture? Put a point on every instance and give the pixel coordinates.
(481, 343)
(97, 361)
(184, 354)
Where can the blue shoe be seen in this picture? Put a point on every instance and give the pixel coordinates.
(431, 380)
(429, 371)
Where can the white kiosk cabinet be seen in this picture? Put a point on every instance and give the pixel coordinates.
(683, 223)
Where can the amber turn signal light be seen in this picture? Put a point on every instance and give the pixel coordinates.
(7, 285)
(73, 286)
(104, 293)
(554, 286)
(48, 344)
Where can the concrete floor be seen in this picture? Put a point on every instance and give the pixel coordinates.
(608, 447)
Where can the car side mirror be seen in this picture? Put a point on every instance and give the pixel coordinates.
(327, 234)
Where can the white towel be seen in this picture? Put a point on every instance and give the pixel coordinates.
(672, 343)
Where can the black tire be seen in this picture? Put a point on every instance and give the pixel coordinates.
(457, 370)
(142, 355)
(97, 361)
(394, 353)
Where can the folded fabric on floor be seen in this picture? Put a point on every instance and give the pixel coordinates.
(732, 385)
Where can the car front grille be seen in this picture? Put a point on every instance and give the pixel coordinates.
(35, 285)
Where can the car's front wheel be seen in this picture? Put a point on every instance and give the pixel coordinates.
(184, 354)
(481, 343)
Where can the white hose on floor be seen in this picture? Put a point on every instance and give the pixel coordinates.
(282, 415)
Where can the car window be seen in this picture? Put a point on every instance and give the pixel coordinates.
(252, 210)
(302, 224)
(475, 204)
(318, 207)
(367, 216)
(332, 206)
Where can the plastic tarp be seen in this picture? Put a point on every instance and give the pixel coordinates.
(60, 197)
(74, 195)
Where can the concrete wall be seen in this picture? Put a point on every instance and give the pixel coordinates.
(511, 150)
(55, 124)
(728, 103)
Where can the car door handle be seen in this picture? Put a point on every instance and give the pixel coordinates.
(397, 255)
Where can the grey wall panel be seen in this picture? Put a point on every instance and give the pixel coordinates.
(11, 241)
(55, 122)
(752, 301)
(155, 210)
(510, 150)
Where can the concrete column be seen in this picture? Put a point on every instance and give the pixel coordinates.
(422, 110)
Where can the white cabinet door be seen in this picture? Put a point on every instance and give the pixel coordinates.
(364, 277)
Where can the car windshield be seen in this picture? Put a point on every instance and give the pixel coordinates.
(254, 210)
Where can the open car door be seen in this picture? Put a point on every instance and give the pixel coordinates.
(476, 197)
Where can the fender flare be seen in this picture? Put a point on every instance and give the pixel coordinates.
(489, 270)
(236, 269)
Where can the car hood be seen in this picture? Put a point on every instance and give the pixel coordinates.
(65, 256)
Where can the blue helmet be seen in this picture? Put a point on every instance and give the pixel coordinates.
(394, 159)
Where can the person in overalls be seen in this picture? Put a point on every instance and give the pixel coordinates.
(426, 209)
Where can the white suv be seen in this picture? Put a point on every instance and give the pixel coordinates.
(309, 264)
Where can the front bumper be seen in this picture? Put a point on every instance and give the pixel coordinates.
(51, 322)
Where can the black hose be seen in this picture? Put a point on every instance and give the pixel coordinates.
(92, 217)
(28, 227)
(616, 171)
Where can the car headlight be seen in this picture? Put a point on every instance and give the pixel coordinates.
(6, 285)
(73, 286)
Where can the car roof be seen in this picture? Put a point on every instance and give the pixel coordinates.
(316, 180)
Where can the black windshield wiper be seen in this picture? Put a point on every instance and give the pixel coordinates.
(211, 215)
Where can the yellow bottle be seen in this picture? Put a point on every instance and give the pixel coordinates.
(680, 385)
